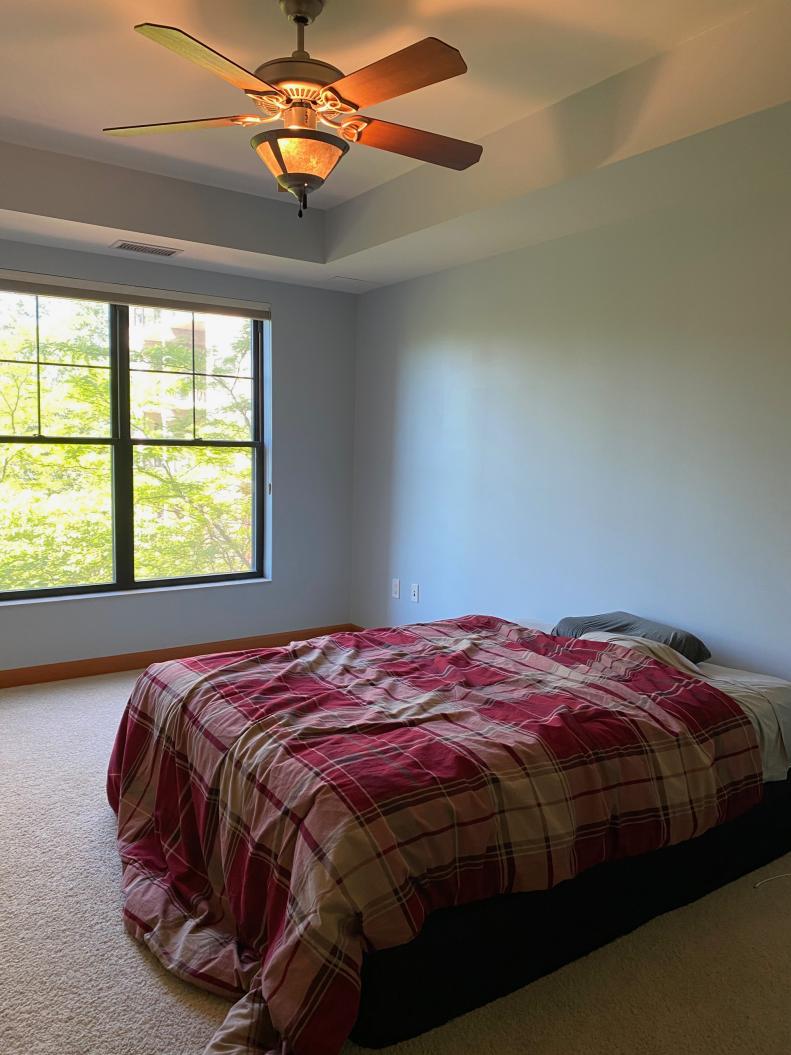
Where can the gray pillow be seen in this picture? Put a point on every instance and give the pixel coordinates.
(626, 623)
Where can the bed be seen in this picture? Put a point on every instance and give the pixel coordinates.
(467, 956)
(299, 825)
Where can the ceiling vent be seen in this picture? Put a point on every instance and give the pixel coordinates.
(142, 247)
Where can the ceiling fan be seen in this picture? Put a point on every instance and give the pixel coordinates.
(302, 91)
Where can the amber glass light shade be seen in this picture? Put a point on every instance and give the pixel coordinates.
(300, 159)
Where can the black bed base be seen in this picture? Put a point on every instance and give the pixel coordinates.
(467, 956)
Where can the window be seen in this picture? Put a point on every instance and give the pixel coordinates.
(131, 446)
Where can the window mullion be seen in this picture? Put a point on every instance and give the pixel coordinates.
(38, 373)
(259, 455)
(194, 386)
(123, 513)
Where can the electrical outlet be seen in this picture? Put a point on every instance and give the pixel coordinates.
(395, 589)
(414, 592)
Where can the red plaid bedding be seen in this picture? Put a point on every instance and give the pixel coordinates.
(282, 811)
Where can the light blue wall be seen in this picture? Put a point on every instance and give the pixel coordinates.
(600, 422)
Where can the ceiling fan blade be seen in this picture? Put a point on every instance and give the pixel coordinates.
(426, 62)
(190, 48)
(185, 126)
(415, 143)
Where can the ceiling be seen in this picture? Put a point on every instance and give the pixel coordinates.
(67, 70)
(588, 113)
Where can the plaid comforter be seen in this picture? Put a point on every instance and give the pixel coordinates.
(282, 811)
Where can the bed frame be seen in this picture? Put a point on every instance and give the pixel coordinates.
(467, 956)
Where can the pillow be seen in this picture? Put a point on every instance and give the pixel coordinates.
(626, 623)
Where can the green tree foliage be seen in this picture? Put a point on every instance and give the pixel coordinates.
(192, 506)
(55, 516)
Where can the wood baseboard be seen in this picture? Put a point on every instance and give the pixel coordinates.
(83, 668)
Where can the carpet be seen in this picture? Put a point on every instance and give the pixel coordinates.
(712, 978)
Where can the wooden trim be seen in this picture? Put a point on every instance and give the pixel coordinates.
(84, 668)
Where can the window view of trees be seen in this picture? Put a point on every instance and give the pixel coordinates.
(190, 386)
(191, 378)
(55, 500)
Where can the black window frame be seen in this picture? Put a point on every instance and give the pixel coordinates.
(122, 444)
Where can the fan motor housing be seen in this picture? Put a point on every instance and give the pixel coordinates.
(296, 71)
(304, 11)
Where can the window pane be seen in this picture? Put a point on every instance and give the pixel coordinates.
(223, 408)
(18, 399)
(75, 401)
(73, 331)
(222, 345)
(55, 515)
(160, 339)
(193, 511)
(17, 326)
(161, 406)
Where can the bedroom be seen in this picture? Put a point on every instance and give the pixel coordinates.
(554, 382)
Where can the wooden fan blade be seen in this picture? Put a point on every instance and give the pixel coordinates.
(185, 126)
(415, 143)
(426, 62)
(190, 48)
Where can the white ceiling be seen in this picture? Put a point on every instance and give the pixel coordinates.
(67, 69)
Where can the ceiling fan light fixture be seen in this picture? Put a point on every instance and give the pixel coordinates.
(300, 159)
(302, 91)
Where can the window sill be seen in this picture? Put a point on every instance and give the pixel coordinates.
(142, 592)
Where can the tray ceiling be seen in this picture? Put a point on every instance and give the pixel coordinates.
(67, 70)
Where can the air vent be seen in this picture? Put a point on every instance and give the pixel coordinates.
(142, 247)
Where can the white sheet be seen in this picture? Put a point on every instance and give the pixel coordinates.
(765, 700)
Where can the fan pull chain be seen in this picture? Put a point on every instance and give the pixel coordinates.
(303, 203)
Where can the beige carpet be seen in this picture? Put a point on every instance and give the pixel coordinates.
(711, 979)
